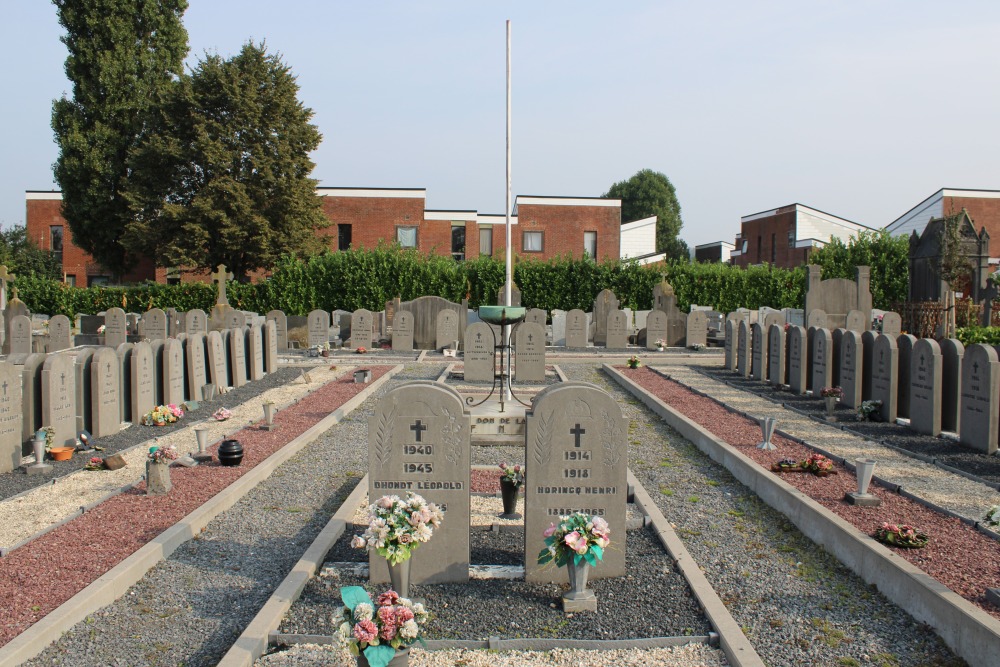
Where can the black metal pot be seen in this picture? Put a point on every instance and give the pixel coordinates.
(230, 453)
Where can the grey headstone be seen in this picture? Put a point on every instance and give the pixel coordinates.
(731, 345)
(515, 296)
(157, 348)
(817, 319)
(576, 445)
(255, 352)
(892, 324)
(19, 339)
(236, 353)
(656, 328)
(281, 323)
(59, 398)
(676, 328)
(837, 335)
(318, 325)
(980, 398)
(155, 323)
(559, 328)
(195, 366)
(851, 360)
(925, 387)
(604, 304)
(124, 352)
(236, 319)
(10, 417)
(697, 328)
(141, 368)
(361, 328)
(743, 347)
(83, 359)
(772, 317)
(419, 440)
(885, 369)
(952, 352)
(529, 358)
(215, 360)
(270, 346)
(617, 330)
(794, 316)
(867, 363)
(195, 321)
(31, 395)
(171, 363)
(402, 331)
(115, 328)
(797, 364)
(758, 354)
(446, 329)
(905, 344)
(776, 373)
(822, 358)
(856, 321)
(479, 351)
(105, 392)
(664, 298)
(14, 308)
(576, 328)
(536, 315)
(60, 333)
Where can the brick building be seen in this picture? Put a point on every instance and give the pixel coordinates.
(983, 207)
(786, 236)
(541, 227)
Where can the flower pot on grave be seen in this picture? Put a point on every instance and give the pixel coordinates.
(230, 453)
(61, 453)
(400, 659)
(831, 405)
(508, 493)
(399, 577)
(579, 597)
(157, 478)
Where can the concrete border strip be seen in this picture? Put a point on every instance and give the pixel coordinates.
(734, 643)
(115, 582)
(968, 630)
(537, 644)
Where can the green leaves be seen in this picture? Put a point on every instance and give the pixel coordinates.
(650, 193)
(887, 255)
(352, 596)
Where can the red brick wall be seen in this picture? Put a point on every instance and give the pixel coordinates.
(562, 230)
(374, 218)
(984, 213)
(779, 225)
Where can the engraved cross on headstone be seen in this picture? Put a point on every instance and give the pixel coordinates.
(220, 276)
(4, 277)
(577, 432)
(418, 429)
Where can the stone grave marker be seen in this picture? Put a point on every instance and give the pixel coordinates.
(867, 363)
(83, 361)
(124, 352)
(59, 398)
(837, 336)
(446, 331)
(31, 395)
(270, 346)
(10, 417)
(656, 328)
(772, 316)
(361, 328)
(318, 325)
(697, 328)
(515, 296)
(817, 319)
(60, 333)
(155, 324)
(19, 339)
(776, 374)
(604, 304)
(281, 325)
(885, 370)
(255, 352)
(479, 348)
(171, 363)
(822, 357)
(157, 347)
(730, 349)
(676, 328)
(856, 321)
(952, 352)
(537, 315)
(215, 361)
(577, 453)
(892, 324)
(576, 328)
(759, 349)
(402, 331)
(142, 392)
(529, 357)
(236, 354)
(195, 367)
(234, 319)
(850, 368)
(617, 330)
(743, 343)
(195, 321)
(14, 308)
(559, 328)
(905, 344)
(664, 297)
(175, 322)
(115, 328)
(419, 441)
(797, 363)
(925, 387)
(980, 398)
(105, 393)
(794, 316)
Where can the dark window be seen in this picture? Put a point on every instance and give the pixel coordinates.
(590, 244)
(56, 242)
(94, 281)
(343, 236)
(774, 248)
(532, 242)
(486, 241)
(458, 240)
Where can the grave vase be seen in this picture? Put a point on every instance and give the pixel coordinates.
(157, 478)
(831, 405)
(577, 577)
(864, 468)
(399, 578)
(509, 492)
(400, 659)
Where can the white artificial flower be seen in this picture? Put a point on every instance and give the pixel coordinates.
(409, 630)
(363, 612)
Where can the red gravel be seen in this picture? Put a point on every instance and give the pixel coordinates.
(40, 576)
(957, 555)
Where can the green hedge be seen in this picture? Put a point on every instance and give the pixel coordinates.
(986, 335)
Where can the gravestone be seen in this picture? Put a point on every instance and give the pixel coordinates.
(402, 331)
(10, 417)
(576, 444)
(215, 361)
(419, 441)
(759, 348)
(664, 297)
(604, 304)
(529, 358)
(14, 308)
(142, 393)
(60, 333)
(905, 344)
(236, 351)
(952, 352)
(743, 343)
(281, 324)
(195, 366)
(318, 325)
(925, 387)
(676, 328)
(195, 321)
(515, 296)
(175, 322)
(234, 319)
(479, 348)
(817, 319)
(697, 328)
(31, 395)
(446, 329)
(155, 323)
(157, 347)
(616, 333)
(838, 296)
(362, 322)
(255, 352)
(867, 362)
(105, 393)
(576, 328)
(19, 339)
(856, 321)
(59, 399)
(171, 363)
(270, 346)
(221, 307)
(885, 370)
(980, 398)
(115, 328)
(822, 357)
(83, 362)
(124, 353)
(850, 368)
(837, 336)
(772, 316)
(797, 362)
(559, 328)
(776, 374)
(537, 315)
(730, 349)
(656, 328)
(892, 324)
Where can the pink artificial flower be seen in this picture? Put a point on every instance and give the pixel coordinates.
(358, 542)
(600, 525)
(576, 542)
(550, 531)
(365, 631)
(385, 502)
(388, 598)
(403, 614)
(405, 538)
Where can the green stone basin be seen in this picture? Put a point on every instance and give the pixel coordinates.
(502, 314)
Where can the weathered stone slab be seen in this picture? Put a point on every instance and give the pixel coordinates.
(776, 373)
(617, 330)
(234, 319)
(115, 327)
(419, 441)
(952, 352)
(60, 333)
(402, 331)
(822, 358)
(770, 317)
(59, 398)
(236, 353)
(577, 453)
(925, 386)
(576, 328)
(732, 332)
(14, 308)
(529, 357)
(318, 325)
(885, 369)
(155, 324)
(31, 395)
(817, 319)
(10, 417)
(83, 361)
(905, 344)
(867, 363)
(105, 393)
(851, 359)
(604, 304)
(281, 326)
(195, 321)
(676, 328)
(446, 329)
(19, 339)
(559, 328)
(537, 315)
(255, 352)
(142, 392)
(656, 328)
(195, 366)
(758, 355)
(797, 364)
(215, 361)
(171, 364)
(362, 322)
(980, 398)
(271, 342)
(697, 328)
(856, 321)
(892, 324)
(479, 352)
(743, 342)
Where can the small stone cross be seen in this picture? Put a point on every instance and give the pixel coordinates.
(220, 276)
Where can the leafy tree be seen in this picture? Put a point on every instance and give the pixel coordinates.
(24, 258)
(122, 55)
(223, 177)
(887, 255)
(649, 193)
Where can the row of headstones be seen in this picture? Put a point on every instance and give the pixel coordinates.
(937, 386)
(98, 388)
(576, 451)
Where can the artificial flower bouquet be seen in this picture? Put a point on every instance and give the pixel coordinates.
(377, 629)
(578, 536)
(512, 474)
(162, 415)
(831, 392)
(818, 464)
(993, 516)
(361, 349)
(633, 362)
(396, 526)
(95, 463)
(869, 410)
(222, 414)
(159, 454)
(901, 535)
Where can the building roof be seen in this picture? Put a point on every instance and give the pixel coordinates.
(917, 217)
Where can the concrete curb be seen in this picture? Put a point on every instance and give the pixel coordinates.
(738, 649)
(969, 631)
(116, 581)
(498, 644)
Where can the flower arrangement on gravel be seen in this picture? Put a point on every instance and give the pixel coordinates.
(377, 629)
(396, 526)
(633, 362)
(512, 474)
(361, 350)
(869, 410)
(660, 342)
(221, 414)
(95, 463)
(162, 415)
(159, 454)
(817, 464)
(831, 392)
(697, 347)
(901, 535)
(578, 536)
(785, 465)
(101, 329)
(993, 516)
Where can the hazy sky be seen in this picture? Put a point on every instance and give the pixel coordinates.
(860, 109)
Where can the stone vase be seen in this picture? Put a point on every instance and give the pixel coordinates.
(578, 575)
(38, 447)
(399, 577)
(400, 659)
(831, 405)
(269, 415)
(509, 492)
(767, 425)
(864, 468)
(157, 478)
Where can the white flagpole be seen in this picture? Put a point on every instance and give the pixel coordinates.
(509, 252)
